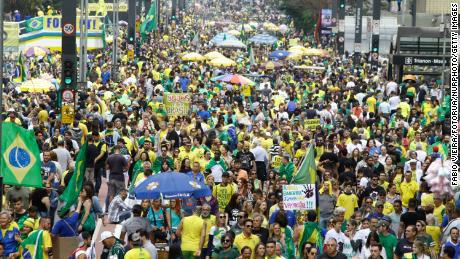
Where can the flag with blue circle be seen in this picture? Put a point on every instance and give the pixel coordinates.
(20, 163)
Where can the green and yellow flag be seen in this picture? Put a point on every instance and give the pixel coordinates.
(307, 171)
(151, 21)
(71, 192)
(33, 245)
(20, 161)
(20, 72)
(34, 24)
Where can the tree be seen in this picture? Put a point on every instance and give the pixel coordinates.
(26, 7)
(304, 13)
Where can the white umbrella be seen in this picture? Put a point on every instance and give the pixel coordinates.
(232, 44)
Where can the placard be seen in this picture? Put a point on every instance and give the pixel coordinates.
(299, 197)
(311, 124)
(177, 104)
(68, 114)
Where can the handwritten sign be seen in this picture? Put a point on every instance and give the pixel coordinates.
(299, 197)
(311, 124)
(177, 104)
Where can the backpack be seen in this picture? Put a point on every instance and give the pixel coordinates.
(109, 138)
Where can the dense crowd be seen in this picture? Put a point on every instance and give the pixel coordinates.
(374, 144)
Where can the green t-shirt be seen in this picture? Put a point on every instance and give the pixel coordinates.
(232, 254)
(389, 242)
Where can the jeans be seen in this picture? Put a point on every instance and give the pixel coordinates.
(98, 172)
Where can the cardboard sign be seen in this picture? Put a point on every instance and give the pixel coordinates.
(299, 197)
(311, 124)
(177, 104)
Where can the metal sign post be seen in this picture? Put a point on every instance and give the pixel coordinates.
(358, 30)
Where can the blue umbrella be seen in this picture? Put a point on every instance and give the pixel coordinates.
(221, 37)
(171, 186)
(263, 39)
(279, 54)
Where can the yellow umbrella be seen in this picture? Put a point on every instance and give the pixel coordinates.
(297, 48)
(213, 54)
(296, 51)
(222, 62)
(295, 56)
(36, 85)
(313, 52)
(234, 32)
(192, 56)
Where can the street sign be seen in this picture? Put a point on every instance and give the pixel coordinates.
(68, 29)
(341, 39)
(67, 113)
(68, 96)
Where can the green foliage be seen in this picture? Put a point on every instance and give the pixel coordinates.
(26, 7)
(304, 13)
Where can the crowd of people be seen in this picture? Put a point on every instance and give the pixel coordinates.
(373, 146)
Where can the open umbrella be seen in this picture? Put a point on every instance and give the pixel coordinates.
(221, 37)
(170, 186)
(235, 44)
(272, 65)
(213, 54)
(192, 56)
(222, 62)
(279, 54)
(234, 79)
(233, 32)
(314, 52)
(263, 39)
(36, 51)
(298, 48)
(36, 85)
(295, 56)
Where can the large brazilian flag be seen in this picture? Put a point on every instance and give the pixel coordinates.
(20, 161)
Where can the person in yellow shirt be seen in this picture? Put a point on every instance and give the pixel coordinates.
(192, 231)
(371, 102)
(210, 221)
(439, 209)
(348, 200)
(246, 238)
(137, 251)
(409, 188)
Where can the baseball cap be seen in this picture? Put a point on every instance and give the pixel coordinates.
(105, 235)
(384, 223)
(378, 203)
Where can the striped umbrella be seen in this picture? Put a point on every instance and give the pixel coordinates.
(234, 79)
(36, 51)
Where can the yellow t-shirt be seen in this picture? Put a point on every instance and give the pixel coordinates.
(138, 253)
(438, 213)
(408, 191)
(191, 233)
(435, 233)
(42, 116)
(241, 241)
(349, 202)
(223, 195)
(210, 222)
(371, 102)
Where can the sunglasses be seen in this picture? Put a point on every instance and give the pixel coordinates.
(222, 217)
(249, 226)
(240, 216)
(313, 253)
(227, 241)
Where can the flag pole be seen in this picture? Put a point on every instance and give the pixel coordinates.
(1, 97)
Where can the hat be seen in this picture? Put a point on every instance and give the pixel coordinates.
(413, 161)
(225, 174)
(10, 110)
(105, 235)
(29, 222)
(378, 203)
(384, 223)
(136, 238)
(435, 149)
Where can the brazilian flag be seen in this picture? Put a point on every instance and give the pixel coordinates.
(307, 171)
(151, 21)
(20, 161)
(34, 24)
(73, 189)
(20, 72)
(33, 245)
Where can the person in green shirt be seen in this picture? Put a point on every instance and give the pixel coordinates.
(228, 250)
(112, 246)
(387, 240)
(156, 167)
(286, 170)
